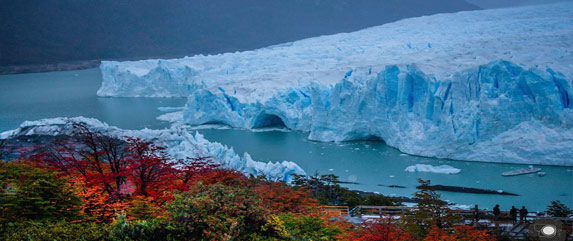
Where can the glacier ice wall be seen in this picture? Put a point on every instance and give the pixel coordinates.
(491, 85)
(498, 112)
(440, 45)
(179, 141)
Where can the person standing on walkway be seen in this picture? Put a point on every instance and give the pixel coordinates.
(523, 214)
(496, 212)
(513, 213)
(476, 214)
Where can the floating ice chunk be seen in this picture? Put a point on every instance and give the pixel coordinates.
(171, 117)
(443, 169)
(170, 109)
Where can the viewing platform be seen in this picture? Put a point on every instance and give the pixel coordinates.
(487, 220)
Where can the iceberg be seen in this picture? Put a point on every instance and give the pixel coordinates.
(443, 169)
(178, 140)
(491, 85)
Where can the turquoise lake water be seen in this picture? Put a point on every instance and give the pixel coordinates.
(370, 164)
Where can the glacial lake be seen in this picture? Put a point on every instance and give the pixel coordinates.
(368, 164)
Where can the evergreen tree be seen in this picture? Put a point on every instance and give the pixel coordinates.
(558, 209)
(430, 212)
(30, 193)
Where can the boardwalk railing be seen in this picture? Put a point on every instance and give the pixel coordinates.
(385, 211)
(335, 211)
(359, 211)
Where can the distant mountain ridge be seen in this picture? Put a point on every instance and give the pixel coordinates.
(42, 33)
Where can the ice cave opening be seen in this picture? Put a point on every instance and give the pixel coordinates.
(216, 122)
(372, 138)
(269, 121)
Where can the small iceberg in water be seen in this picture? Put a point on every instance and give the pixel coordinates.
(521, 171)
(443, 169)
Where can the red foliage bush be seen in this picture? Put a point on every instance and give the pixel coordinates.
(378, 231)
(462, 233)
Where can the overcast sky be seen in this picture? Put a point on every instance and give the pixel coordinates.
(508, 3)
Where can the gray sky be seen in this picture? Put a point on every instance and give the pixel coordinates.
(509, 3)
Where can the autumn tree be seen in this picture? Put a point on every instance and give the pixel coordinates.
(105, 157)
(223, 176)
(95, 156)
(458, 233)
(280, 197)
(379, 230)
(149, 167)
(97, 205)
(190, 168)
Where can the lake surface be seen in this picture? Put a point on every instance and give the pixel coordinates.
(73, 93)
(370, 164)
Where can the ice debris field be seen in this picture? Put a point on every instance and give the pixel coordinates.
(488, 85)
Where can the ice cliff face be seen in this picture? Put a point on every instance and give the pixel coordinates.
(491, 85)
(178, 140)
(498, 112)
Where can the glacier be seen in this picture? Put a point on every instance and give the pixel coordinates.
(443, 169)
(178, 140)
(489, 85)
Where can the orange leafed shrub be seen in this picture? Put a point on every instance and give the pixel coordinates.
(280, 197)
(98, 205)
(378, 231)
(223, 176)
(462, 233)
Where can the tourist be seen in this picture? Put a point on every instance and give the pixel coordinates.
(496, 212)
(513, 213)
(523, 214)
(476, 214)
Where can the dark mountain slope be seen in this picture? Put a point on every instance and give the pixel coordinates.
(56, 31)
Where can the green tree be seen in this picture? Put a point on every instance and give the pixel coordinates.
(429, 212)
(309, 227)
(29, 193)
(141, 208)
(558, 209)
(217, 212)
(47, 230)
(141, 230)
